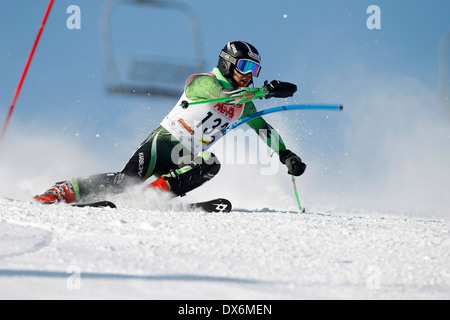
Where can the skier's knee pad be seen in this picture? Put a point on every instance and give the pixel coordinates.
(193, 172)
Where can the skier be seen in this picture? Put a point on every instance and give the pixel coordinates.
(176, 151)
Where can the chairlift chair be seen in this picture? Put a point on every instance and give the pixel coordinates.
(150, 77)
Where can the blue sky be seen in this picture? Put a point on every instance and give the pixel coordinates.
(323, 46)
(299, 41)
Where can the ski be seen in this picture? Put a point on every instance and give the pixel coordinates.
(216, 205)
(98, 204)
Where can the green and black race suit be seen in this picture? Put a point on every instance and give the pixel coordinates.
(184, 132)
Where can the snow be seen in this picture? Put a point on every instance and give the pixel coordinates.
(62, 252)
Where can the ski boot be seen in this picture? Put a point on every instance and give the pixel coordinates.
(61, 192)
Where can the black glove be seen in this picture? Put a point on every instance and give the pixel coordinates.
(294, 164)
(279, 89)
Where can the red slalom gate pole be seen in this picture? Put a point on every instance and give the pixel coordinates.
(24, 73)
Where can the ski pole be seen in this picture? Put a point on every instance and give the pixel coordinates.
(24, 73)
(250, 96)
(302, 210)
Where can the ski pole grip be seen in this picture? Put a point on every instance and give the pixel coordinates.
(184, 104)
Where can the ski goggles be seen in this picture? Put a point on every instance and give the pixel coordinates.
(245, 66)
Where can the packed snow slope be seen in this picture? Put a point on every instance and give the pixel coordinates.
(371, 230)
(62, 252)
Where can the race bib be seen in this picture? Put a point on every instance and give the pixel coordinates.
(198, 127)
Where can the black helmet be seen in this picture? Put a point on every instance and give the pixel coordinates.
(241, 56)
